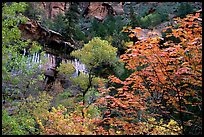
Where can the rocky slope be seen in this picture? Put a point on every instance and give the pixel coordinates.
(97, 9)
(101, 9)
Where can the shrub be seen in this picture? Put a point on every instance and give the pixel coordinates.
(152, 20)
(11, 126)
(62, 123)
(66, 69)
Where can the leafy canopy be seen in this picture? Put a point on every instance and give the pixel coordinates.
(96, 52)
(166, 83)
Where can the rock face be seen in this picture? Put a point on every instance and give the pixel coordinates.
(51, 9)
(100, 10)
(35, 32)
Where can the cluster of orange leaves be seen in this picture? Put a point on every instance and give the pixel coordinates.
(166, 80)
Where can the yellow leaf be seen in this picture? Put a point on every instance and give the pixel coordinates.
(129, 27)
(131, 35)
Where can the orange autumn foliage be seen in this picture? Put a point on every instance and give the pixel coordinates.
(166, 82)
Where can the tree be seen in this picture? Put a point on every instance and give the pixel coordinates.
(167, 83)
(33, 11)
(134, 22)
(71, 18)
(110, 30)
(94, 54)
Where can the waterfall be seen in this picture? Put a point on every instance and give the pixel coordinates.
(53, 60)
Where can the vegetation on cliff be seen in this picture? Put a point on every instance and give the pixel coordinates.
(136, 83)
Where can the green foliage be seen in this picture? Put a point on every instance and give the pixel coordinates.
(120, 71)
(82, 80)
(33, 11)
(66, 68)
(140, 16)
(167, 7)
(58, 23)
(71, 19)
(97, 80)
(93, 112)
(15, 73)
(23, 122)
(152, 20)
(91, 95)
(110, 28)
(35, 47)
(10, 126)
(36, 106)
(64, 95)
(134, 19)
(95, 53)
(10, 31)
(18, 78)
(183, 9)
(80, 35)
(66, 100)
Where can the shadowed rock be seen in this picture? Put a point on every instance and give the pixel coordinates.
(35, 32)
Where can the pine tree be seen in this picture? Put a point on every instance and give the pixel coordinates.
(134, 22)
(71, 19)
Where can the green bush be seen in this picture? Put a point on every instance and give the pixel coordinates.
(82, 81)
(66, 100)
(23, 121)
(152, 20)
(93, 111)
(10, 126)
(64, 95)
(183, 9)
(66, 69)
